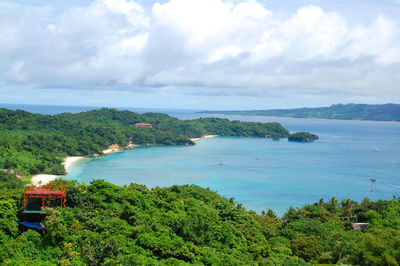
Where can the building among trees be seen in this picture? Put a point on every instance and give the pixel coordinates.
(145, 125)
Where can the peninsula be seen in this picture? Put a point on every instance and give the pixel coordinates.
(303, 137)
(378, 112)
(32, 144)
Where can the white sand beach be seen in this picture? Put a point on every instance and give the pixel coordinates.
(43, 179)
(116, 148)
(112, 148)
(204, 137)
(69, 161)
(108, 151)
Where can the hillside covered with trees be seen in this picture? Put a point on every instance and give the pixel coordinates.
(105, 224)
(303, 137)
(378, 112)
(34, 143)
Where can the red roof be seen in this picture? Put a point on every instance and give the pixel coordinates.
(143, 125)
(50, 189)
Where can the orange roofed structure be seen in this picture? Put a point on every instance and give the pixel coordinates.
(47, 193)
(37, 197)
(145, 125)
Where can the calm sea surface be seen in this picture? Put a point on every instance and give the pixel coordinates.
(261, 173)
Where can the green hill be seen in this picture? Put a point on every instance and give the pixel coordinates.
(33, 143)
(383, 112)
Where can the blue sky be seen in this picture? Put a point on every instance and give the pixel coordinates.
(200, 54)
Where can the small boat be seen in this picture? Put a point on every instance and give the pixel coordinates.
(221, 163)
(210, 164)
(376, 149)
(371, 189)
(372, 179)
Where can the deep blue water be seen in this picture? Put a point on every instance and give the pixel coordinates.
(261, 173)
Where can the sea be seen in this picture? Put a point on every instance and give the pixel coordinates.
(258, 172)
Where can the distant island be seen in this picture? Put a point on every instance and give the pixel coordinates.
(33, 143)
(303, 137)
(378, 112)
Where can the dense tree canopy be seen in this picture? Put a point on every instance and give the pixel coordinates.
(377, 112)
(104, 224)
(303, 137)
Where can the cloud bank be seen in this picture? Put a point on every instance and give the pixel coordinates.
(202, 47)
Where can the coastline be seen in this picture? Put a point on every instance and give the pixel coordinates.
(116, 148)
(204, 137)
(43, 179)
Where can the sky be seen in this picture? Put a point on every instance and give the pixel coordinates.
(200, 54)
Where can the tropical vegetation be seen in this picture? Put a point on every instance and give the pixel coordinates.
(303, 137)
(376, 112)
(34, 143)
(105, 224)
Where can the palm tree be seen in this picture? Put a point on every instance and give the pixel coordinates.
(347, 208)
(333, 204)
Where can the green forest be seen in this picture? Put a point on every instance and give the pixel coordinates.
(303, 137)
(34, 143)
(376, 112)
(105, 224)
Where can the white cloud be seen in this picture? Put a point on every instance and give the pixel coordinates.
(226, 51)
(219, 46)
(381, 39)
(138, 42)
(312, 32)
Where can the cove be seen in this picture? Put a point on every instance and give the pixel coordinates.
(261, 173)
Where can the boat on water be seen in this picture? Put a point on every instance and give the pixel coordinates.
(221, 163)
(376, 149)
(372, 179)
(210, 164)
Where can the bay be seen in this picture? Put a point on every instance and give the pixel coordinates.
(261, 173)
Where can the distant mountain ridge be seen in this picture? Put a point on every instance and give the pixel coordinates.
(377, 112)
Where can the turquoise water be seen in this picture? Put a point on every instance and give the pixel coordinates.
(261, 173)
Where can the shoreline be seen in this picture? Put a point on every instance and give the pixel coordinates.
(204, 137)
(116, 148)
(44, 179)
(308, 118)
